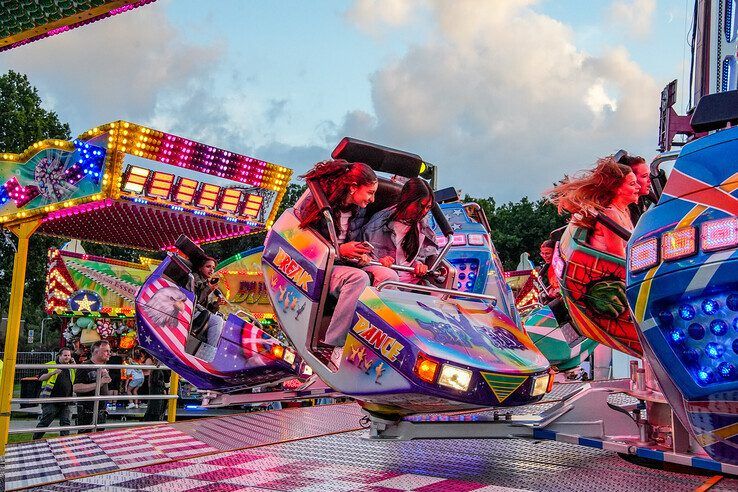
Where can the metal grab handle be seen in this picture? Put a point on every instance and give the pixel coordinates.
(438, 290)
(399, 268)
(442, 254)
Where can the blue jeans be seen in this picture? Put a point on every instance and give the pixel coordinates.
(50, 411)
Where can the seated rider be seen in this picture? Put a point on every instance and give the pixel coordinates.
(546, 273)
(349, 188)
(607, 190)
(400, 235)
(207, 302)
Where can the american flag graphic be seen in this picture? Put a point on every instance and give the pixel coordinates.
(173, 339)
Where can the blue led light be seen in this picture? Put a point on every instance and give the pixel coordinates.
(678, 336)
(710, 306)
(704, 375)
(462, 266)
(472, 276)
(696, 331)
(666, 317)
(718, 327)
(472, 266)
(727, 370)
(469, 285)
(462, 276)
(714, 350)
(686, 312)
(458, 285)
(732, 302)
(735, 345)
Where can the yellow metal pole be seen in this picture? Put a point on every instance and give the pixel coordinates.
(23, 231)
(172, 404)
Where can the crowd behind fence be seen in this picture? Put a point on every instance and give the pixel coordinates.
(97, 398)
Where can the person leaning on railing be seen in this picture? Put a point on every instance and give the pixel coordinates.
(86, 382)
(57, 383)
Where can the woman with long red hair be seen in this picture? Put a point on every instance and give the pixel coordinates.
(349, 189)
(607, 189)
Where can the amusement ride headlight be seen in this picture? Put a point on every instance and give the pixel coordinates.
(458, 240)
(454, 377)
(540, 385)
(289, 356)
(719, 234)
(307, 370)
(679, 243)
(425, 368)
(644, 254)
(475, 239)
(277, 351)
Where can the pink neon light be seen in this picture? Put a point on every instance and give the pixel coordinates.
(79, 209)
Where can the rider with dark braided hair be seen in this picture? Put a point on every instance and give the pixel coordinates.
(349, 188)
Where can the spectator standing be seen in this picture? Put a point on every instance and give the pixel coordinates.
(86, 381)
(135, 382)
(57, 382)
(158, 381)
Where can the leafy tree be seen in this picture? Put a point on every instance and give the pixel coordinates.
(24, 121)
(519, 227)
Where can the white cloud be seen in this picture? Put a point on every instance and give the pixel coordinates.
(633, 18)
(373, 15)
(120, 67)
(505, 103)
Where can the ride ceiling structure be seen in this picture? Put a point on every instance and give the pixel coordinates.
(31, 20)
(127, 185)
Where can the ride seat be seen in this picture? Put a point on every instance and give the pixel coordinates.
(388, 194)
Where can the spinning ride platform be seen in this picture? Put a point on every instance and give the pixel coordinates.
(324, 449)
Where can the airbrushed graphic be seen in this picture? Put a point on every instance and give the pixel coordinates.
(687, 309)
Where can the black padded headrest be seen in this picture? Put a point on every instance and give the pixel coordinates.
(378, 157)
(194, 253)
(714, 111)
(388, 194)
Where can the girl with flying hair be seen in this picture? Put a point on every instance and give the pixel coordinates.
(349, 189)
(607, 189)
(401, 235)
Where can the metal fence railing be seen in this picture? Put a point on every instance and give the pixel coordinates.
(96, 399)
(29, 358)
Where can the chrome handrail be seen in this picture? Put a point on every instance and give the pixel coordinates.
(436, 290)
(97, 398)
(442, 254)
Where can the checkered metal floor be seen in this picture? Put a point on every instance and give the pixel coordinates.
(319, 449)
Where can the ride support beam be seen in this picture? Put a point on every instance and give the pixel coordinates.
(172, 404)
(24, 231)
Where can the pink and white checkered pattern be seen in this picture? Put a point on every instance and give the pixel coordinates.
(258, 471)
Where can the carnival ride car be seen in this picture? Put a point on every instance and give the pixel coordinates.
(448, 345)
(244, 357)
(564, 348)
(682, 286)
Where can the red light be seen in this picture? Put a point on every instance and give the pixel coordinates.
(208, 195)
(160, 185)
(252, 206)
(426, 368)
(678, 244)
(644, 254)
(230, 199)
(184, 192)
(719, 234)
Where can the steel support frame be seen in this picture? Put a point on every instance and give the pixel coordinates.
(24, 231)
(585, 417)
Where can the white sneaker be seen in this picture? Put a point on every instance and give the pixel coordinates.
(131, 405)
(335, 361)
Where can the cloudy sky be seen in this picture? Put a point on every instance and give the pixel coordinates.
(505, 96)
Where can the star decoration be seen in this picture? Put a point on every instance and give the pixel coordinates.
(457, 212)
(148, 338)
(85, 304)
(456, 226)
